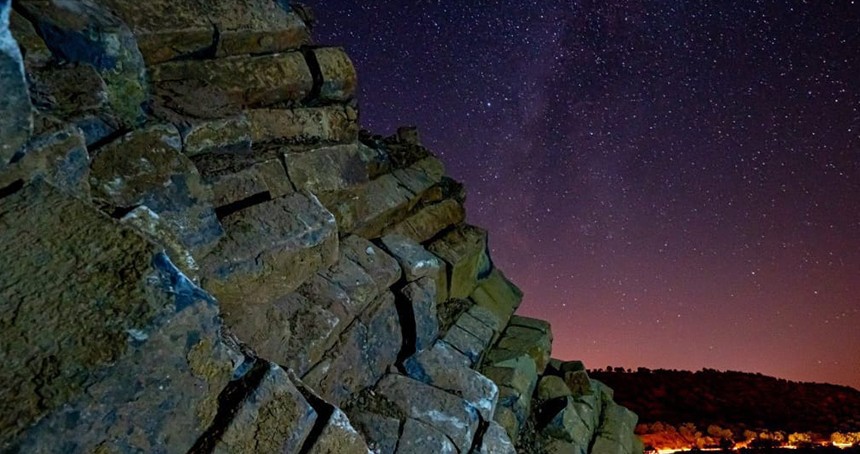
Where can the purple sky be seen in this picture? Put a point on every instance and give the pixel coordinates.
(672, 186)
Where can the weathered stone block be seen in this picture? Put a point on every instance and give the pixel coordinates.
(442, 367)
(537, 343)
(382, 267)
(266, 179)
(466, 343)
(144, 343)
(420, 296)
(35, 51)
(327, 169)
(564, 447)
(339, 437)
(566, 423)
(415, 261)
(420, 176)
(58, 156)
(338, 74)
(420, 437)
(75, 93)
(16, 119)
(224, 135)
(86, 32)
(364, 352)
(496, 441)
(499, 296)
(147, 167)
(316, 331)
(381, 432)
(429, 221)
(551, 387)
(268, 250)
(275, 417)
(461, 248)
(208, 88)
(167, 30)
(304, 125)
(152, 226)
(517, 373)
(443, 411)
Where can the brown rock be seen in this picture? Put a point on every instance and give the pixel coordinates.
(304, 125)
(85, 32)
(429, 221)
(146, 167)
(327, 169)
(224, 135)
(415, 261)
(420, 296)
(268, 250)
(338, 74)
(381, 432)
(198, 87)
(339, 437)
(498, 296)
(35, 51)
(382, 267)
(496, 441)
(461, 248)
(58, 156)
(266, 179)
(420, 437)
(275, 417)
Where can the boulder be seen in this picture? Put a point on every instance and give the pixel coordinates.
(616, 429)
(269, 250)
(578, 382)
(519, 374)
(147, 167)
(159, 231)
(304, 125)
(461, 248)
(530, 336)
(316, 331)
(563, 422)
(418, 437)
(142, 364)
(564, 447)
(85, 32)
(339, 437)
(444, 368)
(16, 119)
(444, 412)
(213, 88)
(415, 261)
(466, 343)
(273, 417)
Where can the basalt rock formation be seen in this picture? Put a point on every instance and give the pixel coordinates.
(204, 253)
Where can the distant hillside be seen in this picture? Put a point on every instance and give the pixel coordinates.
(735, 400)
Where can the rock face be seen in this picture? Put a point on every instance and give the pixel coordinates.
(207, 255)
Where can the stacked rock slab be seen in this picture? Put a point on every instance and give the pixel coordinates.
(207, 255)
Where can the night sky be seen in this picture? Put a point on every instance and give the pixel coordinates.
(672, 184)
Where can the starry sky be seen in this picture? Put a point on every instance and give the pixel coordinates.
(672, 184)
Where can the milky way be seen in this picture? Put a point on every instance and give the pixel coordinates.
(672, 186)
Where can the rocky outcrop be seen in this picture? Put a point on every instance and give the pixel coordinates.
(206, 254)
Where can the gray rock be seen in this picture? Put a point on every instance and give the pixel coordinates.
(578, 382)
(567, 424)
(499, 296)
(16, 119)
(266, 180)
(466, 343)
(418, 438)
(551, 387)
(444, 412)
(140, 370)
(224, 135)
(86, 32)
(442, 367)
(415, 261)
(338, 74)
(429, 220)
(381, 432)
(339, 437)
(420, 296)
(58, 156)
(496, 441)
(382, 267)
(535, 342)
